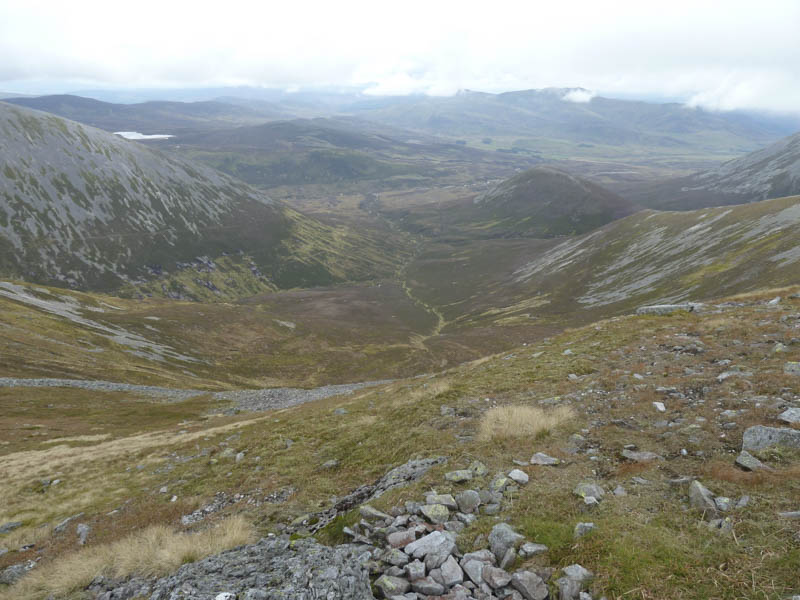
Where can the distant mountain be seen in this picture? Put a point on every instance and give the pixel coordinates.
(88, 209)
(773, 172)
(574, 115)
(152, 117)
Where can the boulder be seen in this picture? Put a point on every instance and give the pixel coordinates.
(437, 541)
(468, 501)
(702, 499)
(748, 462)
(790, 415)
(529, 585)
(458, 476)
(392, 586)
(540, 458)
(643, 456)
(435, 513)
(760, 437)
(495, 577)
(451, 572)
(503, 537)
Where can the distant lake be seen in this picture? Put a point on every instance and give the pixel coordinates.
(135, 135)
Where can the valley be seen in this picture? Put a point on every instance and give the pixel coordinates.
(333, 322)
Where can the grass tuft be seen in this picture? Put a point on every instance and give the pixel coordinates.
(503, 422)
(153, 552)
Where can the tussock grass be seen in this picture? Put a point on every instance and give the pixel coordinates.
(502, 422)
(153, 552)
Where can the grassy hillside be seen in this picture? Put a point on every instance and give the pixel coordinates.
(83, 208)
(647, 542)
(648, 257)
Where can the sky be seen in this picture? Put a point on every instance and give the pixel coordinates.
(719, 55)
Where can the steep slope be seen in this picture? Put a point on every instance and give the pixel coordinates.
(150, 117)
(772, 172)
(85, 208)
(529, 285)
(672, 256)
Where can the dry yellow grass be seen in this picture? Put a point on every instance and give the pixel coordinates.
(153, 552)
(518, 420)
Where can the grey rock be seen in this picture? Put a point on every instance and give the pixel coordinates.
(427, 586)
(474, 570)
(499, 484)
(330, 464)
(458, 476)
(468, 501)
(388, 586)
(503, 537)
(540, 458)
(62, 526)
(491, 509)
(434, 560)
(587, 489)
(529, 585)
(529, 549)
(371, 514)
(478, 469)
(451, 572)
(748, 462)
(518, 476)
(435, 513)
(415, 570)
(760, 437)
(454, 526)
(14, 573)
(402, 538)
(702, 499)
(444, 499)
(790, 415)
(495, 577)
(396, 557)
(83, 532)
(283, 569)
(643, 456)
(578, 573)
(437, 541)
(792, 368)
(484, 555)
(9, 527)
(723, 503)
(666, 309)
(581, 529)
(794, 514)
(508, 558)
(620, 491)
(569, 589)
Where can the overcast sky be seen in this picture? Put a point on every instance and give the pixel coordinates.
(717, 54)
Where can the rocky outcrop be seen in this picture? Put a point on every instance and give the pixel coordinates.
(272, 569)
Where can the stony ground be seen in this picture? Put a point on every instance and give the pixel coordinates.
(678, 477)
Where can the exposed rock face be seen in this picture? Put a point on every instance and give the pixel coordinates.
(665, 309)
(272, 569)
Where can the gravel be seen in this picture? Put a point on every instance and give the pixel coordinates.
(247, 400)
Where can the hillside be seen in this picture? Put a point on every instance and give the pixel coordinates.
(84, 208)
(338, 151)
(154, 117)
(545, 202)
(772, 172)
(612, 446)
(649, 257)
